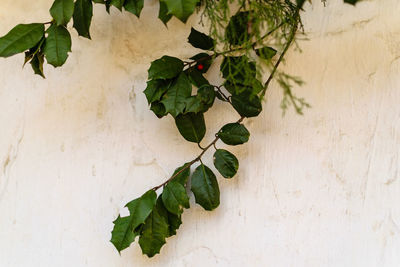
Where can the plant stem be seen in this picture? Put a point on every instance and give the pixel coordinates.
(198, 158)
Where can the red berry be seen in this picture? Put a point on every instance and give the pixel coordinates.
(200, 67)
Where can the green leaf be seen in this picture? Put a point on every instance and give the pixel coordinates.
(247, 105)
(200, 40)
(183, 176)
(352, 2)
(226, 163)
(196, 78)
(191, 126)
(165, 68)
(83, 17)
(21, 38)
(239, 71)
(175, 198)
(163, 14)
(266, 52)
(181, 9)
(234, 134)
(37, 64)
(124, 233)
(57, 45)
(155, 90)
(118, 4)
(237, 29)
(202, 101)
(204, 60)
(159, 109)
(62, 11)
(205, 187)
(174, 222)
(174, 99)
(155, 230)
(134, 6)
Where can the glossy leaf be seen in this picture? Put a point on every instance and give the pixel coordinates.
(181, 9)
(266, 52)
(247, 105)
(205, 187)
(237, 29)
(62, 11)
(37, 64)
(21, 38)
(226, 163)
(174, 99)
(191, 126)
(134, 6)
(163, 14)
(83, 17)
(196, 78)
(234, 134)
(124, 233)
(165, 68)
(155, 230)
(202, 101)
(352, 2)
(174, 222)
(200, 40)
(204, 62)
(159, 109)
(175, 198)
(155, 90)
(57, 46)
(183, 175)
(117, 3)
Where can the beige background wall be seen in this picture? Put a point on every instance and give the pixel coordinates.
(321, 189)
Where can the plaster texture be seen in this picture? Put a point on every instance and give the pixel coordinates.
(321, 189)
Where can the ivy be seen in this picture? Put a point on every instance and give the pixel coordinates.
(254, 39)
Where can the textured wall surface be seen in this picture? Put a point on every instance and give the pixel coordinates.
(321, 189)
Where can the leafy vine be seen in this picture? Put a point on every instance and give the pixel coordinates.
(251, 43)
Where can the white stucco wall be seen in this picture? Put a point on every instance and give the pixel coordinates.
(321, 189)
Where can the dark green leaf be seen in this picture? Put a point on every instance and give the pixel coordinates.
(159, 109)
(134, 6)
(196, 77)
(175, 198)
(234, 134)
(247, 105)
(155, 230)
(117, 3)
(155, 90)
(352, 2)
(226, 163)
(174, 99)
(266, 52)
(174, 222)
(83, 17)
(37, 64)
(200, 40)
(202, 101)
(57, 46)
(191, 126)
(163, 14)
(237, 29)
(204, 60)
(205, 187)
(21, 38)
(165, 68)
(183, 176)
(124, 233)
(181, 9)
(62, 11)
